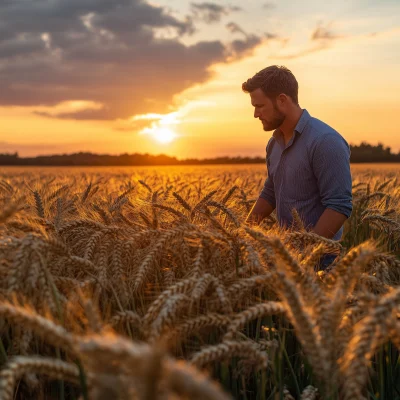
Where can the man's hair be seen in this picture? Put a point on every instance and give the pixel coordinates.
(273, 81)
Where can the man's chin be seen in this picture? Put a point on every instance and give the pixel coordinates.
(268, 128)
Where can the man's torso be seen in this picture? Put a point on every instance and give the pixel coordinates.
(293, 171)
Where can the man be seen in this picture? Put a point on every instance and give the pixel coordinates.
(308, 161)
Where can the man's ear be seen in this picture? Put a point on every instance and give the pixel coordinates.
(282, 99)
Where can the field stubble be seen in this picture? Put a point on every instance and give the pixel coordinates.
(136, 283)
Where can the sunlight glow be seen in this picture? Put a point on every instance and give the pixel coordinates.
(163, 135)
(161, 129)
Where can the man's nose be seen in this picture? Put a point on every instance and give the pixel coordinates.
(256, 113)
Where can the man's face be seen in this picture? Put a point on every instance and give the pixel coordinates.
(266, 111)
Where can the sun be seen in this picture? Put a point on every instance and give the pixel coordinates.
(164, 135)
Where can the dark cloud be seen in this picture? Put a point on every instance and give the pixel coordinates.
(270, 35)
(108, 52)
(211, 12)
(233, 27)
(240, 47)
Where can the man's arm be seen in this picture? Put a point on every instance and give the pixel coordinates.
(331, 165)
(329, 223)
(265, 204)
(261, 209)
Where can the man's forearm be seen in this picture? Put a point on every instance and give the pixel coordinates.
(261, 209)
(329, 223)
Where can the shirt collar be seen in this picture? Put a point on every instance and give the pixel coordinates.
(301, 124)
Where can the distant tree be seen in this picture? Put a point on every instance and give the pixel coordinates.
(364, 152)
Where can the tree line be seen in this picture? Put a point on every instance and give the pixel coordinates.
(359, 153)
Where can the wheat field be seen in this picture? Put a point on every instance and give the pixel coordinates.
(146, 283)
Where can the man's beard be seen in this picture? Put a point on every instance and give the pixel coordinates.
(275, 123)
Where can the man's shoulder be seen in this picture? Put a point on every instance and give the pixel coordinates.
(321, 128)
(320, 131)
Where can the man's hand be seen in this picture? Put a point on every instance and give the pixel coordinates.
(260, 210)
(253, 220)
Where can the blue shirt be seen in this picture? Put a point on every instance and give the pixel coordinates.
(311, 173)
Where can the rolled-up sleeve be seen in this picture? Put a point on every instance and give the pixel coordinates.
(268, 192)
(331, 165)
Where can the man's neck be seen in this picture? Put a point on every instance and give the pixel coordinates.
(290, 123)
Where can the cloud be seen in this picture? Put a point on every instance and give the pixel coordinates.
(242, 47)
(102, 52)
(394, 32)
(233, 27)
(151, 121)
(270, 35)
(32, 150)
(250, 41)
(268, 6)
(304, 52)
(323, 33)
(67, 108)
(140, 122)
(321, 38)
(211, 12)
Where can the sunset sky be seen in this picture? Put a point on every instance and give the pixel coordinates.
(164, 76)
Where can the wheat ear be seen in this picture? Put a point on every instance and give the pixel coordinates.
(171, 210)
(194, 325)
(187, 382)
(182, 201)
(309, 393)
(297, 221)
(18, 366)
(259, 310)
(126, 316)
(38, 204)
(365, 339)
(304, 324)
(145, 266)
(182, 286)
(43, 327)
(228, 349)
(168, 314)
